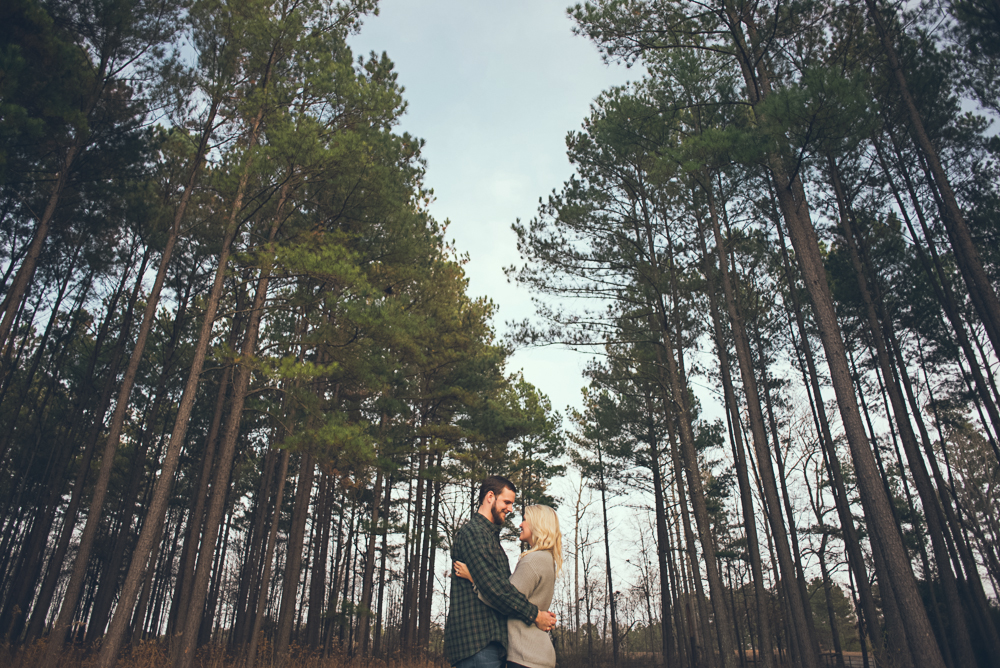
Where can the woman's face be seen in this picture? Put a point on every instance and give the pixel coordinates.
(526, 532)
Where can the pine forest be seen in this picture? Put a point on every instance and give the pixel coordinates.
(247, 397)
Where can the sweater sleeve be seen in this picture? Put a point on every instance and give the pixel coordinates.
(525, 578)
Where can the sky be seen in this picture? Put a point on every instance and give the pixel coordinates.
(493, 87)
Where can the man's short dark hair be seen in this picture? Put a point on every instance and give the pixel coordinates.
(496, 484)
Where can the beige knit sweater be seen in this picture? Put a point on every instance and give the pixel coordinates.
(535, 577)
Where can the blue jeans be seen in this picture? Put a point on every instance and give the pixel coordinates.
(491, 656)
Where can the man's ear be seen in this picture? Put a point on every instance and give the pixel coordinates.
(489, 498)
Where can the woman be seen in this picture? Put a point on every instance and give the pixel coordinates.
(535, 577)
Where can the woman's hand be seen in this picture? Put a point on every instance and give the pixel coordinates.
(461, 571)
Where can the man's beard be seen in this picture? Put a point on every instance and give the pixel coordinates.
(497, 517)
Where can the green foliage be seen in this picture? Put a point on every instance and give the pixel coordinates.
(843, 611)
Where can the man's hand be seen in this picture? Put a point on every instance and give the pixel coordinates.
(545, 620)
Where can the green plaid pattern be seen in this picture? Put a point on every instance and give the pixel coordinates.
(472, 624)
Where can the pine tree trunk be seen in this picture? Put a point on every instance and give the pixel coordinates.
(408, 628)
(153, 526)
(743, 478)
(317, 580)
(899, 578)
(662, 548)
(897, 575)
(851, 542)
(75, 585)
(293, 562)
(683, 455)
(797, 604)
(431, 533)
(251, 570)
(607, 559)
(379, 616)
(333, 602)
(960, 640)
(25, 273)
(943, 291)
(981, 290)
(364, 608)
(679, 397)
(111, 577)
(257, 615)
(196, 516)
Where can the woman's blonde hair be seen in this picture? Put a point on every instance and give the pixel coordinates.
(545, 533)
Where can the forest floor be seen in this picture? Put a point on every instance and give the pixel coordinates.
(153, 654)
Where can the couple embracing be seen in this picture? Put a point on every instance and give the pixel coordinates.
(496, 617)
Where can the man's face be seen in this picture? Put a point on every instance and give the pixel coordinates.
(502, 505)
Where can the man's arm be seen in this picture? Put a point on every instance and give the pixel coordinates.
(493, 584)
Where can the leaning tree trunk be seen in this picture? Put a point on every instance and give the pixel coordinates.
(226, 451)
(153, 526)
(746, 497)
(896, 571)
(942, 289)
(960, 641)
(852, 543)
(257, 615)
(679, 397)
(744, 356)
(19, 286)
(981, 290)
(293, 562)
(75, 586)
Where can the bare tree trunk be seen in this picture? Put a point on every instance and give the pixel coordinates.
(153, 526)
(257, 615)
(364, 608)
(960, 640)
(293, 562)
(743, 478)
(75, 586)
(898, 574)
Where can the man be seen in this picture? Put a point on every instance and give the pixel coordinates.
(475, 635)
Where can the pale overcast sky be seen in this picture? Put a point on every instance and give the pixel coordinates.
(493, 87)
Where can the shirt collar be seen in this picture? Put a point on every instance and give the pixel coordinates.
(495, 528)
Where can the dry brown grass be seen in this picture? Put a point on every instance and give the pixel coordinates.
(153, 654)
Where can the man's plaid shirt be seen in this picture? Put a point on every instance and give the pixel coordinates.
(472, 624)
